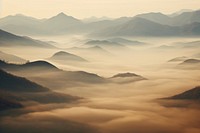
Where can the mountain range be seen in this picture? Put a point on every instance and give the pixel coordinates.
(44, 73)
(181, 19)
(40, 69)
(185, 23)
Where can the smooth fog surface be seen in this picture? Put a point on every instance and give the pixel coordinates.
(113, 107)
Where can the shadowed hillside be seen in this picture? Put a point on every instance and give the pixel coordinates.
(15, 88)
(193, 94)
(10, 40)
(13, 83)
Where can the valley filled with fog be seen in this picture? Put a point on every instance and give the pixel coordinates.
(79, 83)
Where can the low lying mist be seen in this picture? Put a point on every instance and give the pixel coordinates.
(111, 107)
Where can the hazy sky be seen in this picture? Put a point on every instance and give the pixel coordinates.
(87, 8)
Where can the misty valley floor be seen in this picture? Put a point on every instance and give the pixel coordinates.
(119, 86)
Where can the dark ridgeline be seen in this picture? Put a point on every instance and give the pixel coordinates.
(36, 65)
(193, 94)
(15, 90)
(46, 67)
(13, 83)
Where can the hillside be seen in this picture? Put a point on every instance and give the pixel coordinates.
(65, 56)
(10, 40)
(193, 94)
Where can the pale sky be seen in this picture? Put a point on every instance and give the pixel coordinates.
(87, 8)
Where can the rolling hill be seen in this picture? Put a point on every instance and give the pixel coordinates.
(126, 78)
(34, 66)
(65, 56)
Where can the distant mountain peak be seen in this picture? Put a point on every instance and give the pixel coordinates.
(65, 56)
(62, 53)
(193, 94)
(192, 61)
(126, 78)
(40, 63)
(128, 74)
(62, 20)
(62, 14)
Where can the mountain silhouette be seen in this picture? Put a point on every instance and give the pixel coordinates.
(190, 61)
(13, 83)
(21, 24)
(180, 12)
(60, 24)
(65, 56)
(9, 39)
(191, 64)
(156, 17)
(11, 58)
(43, 67)
(123, 75)
(126, 78)
(186, 18)
(62, 20)
(177, 59)
(180, 19)
(185, 23)
(139, 27)
(34, 66)
(193, 94)
(20, 89)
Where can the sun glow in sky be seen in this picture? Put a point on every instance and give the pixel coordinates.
(87, 8)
